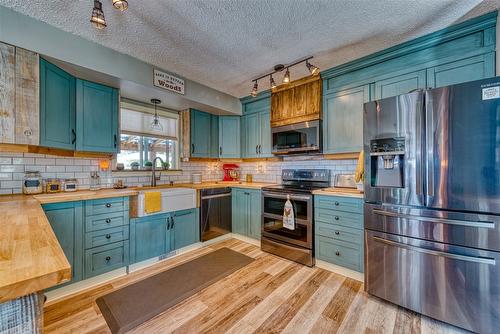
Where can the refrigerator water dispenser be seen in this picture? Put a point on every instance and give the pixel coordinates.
(387, 162)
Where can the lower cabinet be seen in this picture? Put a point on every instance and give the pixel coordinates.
(246, 211)
(156, 235)
(338, 231)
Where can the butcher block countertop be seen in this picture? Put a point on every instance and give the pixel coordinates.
(31, 258)
(339, 192)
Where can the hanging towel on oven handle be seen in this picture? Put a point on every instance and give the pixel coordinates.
(288, 215)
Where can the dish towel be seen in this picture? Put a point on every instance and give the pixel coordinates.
(152, 201)
(288, 215)
(359, 175)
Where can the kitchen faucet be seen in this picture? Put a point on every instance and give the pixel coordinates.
(153, 171)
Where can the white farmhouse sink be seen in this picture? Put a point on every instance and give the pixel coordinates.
(172, 199)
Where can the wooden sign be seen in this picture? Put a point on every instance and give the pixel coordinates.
(168, 82)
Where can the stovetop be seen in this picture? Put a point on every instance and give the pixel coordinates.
(301, 181)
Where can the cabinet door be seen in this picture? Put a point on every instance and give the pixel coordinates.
(265, 134)
(214, 136)
(251, 138)
(239, 211)
(254, 213)
(186, 228)
(149, 237)
(7, 93)
(66, 219)
(229, 137)
(97, 117)
(200, 134)
(57, 107)
(400, 84)
(343, 120)
(470, 69)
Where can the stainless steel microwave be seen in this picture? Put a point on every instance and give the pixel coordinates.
(297, 138)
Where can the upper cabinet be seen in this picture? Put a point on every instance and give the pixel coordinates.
(299, 101)
(201, 134)
(96, 117)
(229, 137)
(256, 128)
(19, 82)
(76, 114)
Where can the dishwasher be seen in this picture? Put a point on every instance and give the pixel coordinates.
(215, 216)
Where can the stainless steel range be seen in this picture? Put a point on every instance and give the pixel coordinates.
(297, 186)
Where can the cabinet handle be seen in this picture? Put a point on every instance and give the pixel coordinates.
(337, 203)
(256, 149)
(192, 148)
(74, 136)
(168, 223)
(115, 140)
(108, 205)
(336, 217)
(108, 236)
(337, 232)
(173, 222)
(108, 258)
(260, 149)
(337, 253)
(108, 220)
(220, 150)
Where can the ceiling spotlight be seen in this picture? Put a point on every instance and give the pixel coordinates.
(120, 4)
(254, 90)
(286, 78)
(97, 19)
(271, 81)
(313, 69)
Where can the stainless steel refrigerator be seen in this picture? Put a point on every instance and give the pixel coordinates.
(432, 202)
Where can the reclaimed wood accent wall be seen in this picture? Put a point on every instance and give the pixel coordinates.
(296, 102)
(7, 93)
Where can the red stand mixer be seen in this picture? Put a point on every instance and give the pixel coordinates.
(231, 172)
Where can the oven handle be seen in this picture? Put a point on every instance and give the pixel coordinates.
(452, 256)
(298, 221)
(215, 196)
(294, 197)
(435, 220)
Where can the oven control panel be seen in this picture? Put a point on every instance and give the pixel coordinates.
(321, 175)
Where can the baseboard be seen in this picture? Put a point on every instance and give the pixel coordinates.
(340, 270)
(246, 239)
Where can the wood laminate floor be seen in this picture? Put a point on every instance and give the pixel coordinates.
(271, 295)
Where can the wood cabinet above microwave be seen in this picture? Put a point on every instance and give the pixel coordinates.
(298, 101)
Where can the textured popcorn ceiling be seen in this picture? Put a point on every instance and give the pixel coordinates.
(226, 43)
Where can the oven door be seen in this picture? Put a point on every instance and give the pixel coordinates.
(295, 138)
(272, 218)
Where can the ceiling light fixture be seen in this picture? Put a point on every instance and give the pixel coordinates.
(286, 78)
(314, 70)
(97, 19)
(155, 124)
(121, 5)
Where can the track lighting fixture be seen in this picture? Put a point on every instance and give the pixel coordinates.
(97, 19)
(121, 5)
(314, 70)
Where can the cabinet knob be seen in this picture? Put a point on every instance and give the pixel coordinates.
(336, 217)
(108, 205)
(336, 203)
(337, 232)
(108, 236)
(337, 253)
(108, 220)
(108, 258)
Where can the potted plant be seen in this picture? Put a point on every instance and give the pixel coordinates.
(134, 165)
(166, 165)
(148, 165)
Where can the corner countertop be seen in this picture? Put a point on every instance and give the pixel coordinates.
(339, 192)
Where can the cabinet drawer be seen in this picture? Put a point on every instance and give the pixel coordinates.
(339, 232)
(104, 221)
(344, 254)
(106, 205)
(335, 217)
(106, 237)
(346, 204)
(106, 258)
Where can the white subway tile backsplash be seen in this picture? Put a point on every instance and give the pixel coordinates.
(44, 161)
(34, 168)
(11, 168)
(74, 168)
(5, 161)
(64, 162)
(23, 161)
(55, 169)
(5, 176)
(11, 184)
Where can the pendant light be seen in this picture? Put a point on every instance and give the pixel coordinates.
(271, 82)
(97, 19)
(286, 78)
(313, 69)
(121, 5)
(254, 90)
(155, 124)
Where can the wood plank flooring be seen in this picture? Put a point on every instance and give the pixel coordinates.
(270, 295)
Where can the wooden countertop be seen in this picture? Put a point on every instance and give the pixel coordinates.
(82, 195)
(339, 192)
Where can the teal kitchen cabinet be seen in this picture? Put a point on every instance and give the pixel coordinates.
(201, 134)
(246, 212)
(400, 84)
(229, 137)
(96, 117)
(214, 136)
(338, 231)
(256, 127)
(149, 237)
(343, 119)
(186, 228)
(57, 107)
(66, 219)
(266, 144)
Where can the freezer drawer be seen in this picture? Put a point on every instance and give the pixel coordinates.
(454, 284)
(463, 229)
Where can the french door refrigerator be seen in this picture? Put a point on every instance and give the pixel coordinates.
(432, 202)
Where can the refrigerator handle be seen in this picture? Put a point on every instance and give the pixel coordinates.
(419, 153)
(429, 130)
